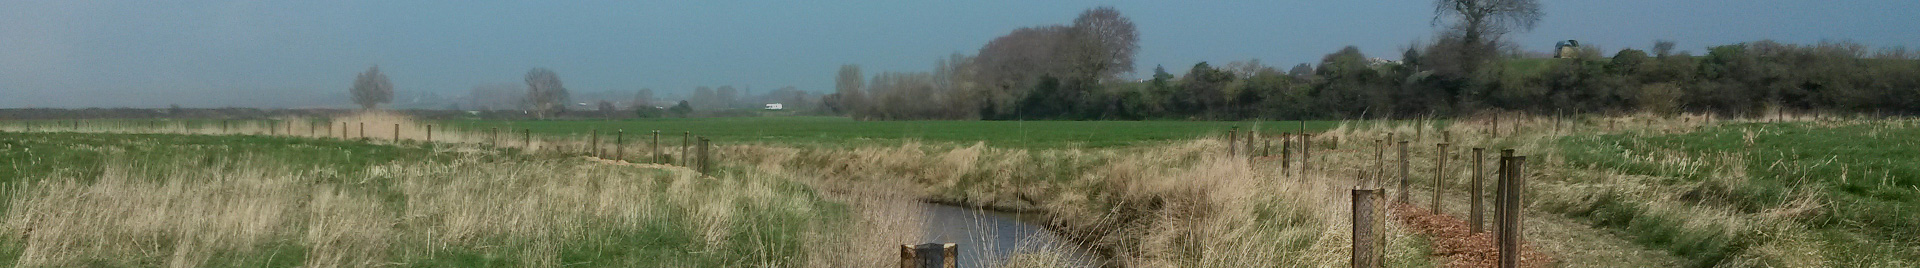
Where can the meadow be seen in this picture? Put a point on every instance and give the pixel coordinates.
(260, 201)
(842, 130)
(1807, 193)
(1637, 190)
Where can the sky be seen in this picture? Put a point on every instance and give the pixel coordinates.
(274, 54)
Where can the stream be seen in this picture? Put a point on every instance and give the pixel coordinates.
(987, 238)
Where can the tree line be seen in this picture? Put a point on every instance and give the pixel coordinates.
(1072, 72)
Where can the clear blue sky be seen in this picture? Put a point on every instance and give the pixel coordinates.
(303, 53)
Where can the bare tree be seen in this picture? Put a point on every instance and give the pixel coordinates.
(496, 96)
(848, 84)
(1106, 42)
(642, 99)
(1480, 24)
(725, 98)
(371, 88)
(703, 97)
(545, 92)
(1010, 64)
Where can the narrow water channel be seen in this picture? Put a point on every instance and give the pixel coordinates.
(987, 238)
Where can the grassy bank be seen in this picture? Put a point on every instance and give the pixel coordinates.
(780, 130)
(1838, 193)
(241, 201)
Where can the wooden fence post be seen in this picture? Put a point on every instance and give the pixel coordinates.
(1510, 234)
(1231, 139)
(1266, 148)
(1439, 176)
(1500, 192)
(1405, 178)
(1369, 227)
(1286, 153)
(1306, 153)
(526, 139)
(1249, 147)
(1474, 208)
(396, 132)
(1379, 163)
(273, 128)
(429, 133)
(686, 141)
(619, 143)
(1495, 131)
(493, 136)
(655, 147)
(593, 143)
(706, 146)
(930, 255)
(223, 127)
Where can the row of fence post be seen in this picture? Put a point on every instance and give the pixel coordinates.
(1368, 200)
(699, 158)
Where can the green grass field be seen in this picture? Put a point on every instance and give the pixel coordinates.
(841, 130)
(1853, 184)
(121, 200)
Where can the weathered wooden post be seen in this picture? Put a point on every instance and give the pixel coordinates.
(1369, 227)
(1249, 147)
(1230, 139)
(1306, 153)
(1473, 191)
(706, 146)
(1510, 234)
(493, 136)
(655, 147)
(273, 128)
(396, 132)
(526, 139)
(1405, 178)
(1286, 153)
(1495, 131)
(1439, 176)
(1379, 163)
(930, 255)
(593, 143)
(223, 127)
(1500, 192)
(429, 133)
(619, 143)
(686, 140)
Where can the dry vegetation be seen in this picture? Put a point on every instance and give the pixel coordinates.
(1182, 204)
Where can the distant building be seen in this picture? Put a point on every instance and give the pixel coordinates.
(775, 107)
(1566, 49)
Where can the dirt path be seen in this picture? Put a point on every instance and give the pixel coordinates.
(1572, 242)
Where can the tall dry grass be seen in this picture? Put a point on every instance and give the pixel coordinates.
(1182, 204)
(251, 211)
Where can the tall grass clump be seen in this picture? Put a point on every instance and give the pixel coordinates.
(1810, 193)
(1179, 204)
(240, 207)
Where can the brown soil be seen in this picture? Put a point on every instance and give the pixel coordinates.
(1453, 239)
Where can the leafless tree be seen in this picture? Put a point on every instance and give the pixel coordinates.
(848, 84)
(1105, 42)
(496, 96)
(371, 88)
(642, 99)
(724, 98)
(1010, 64)
(703, 97)
(545, 92)
(1479, 25)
